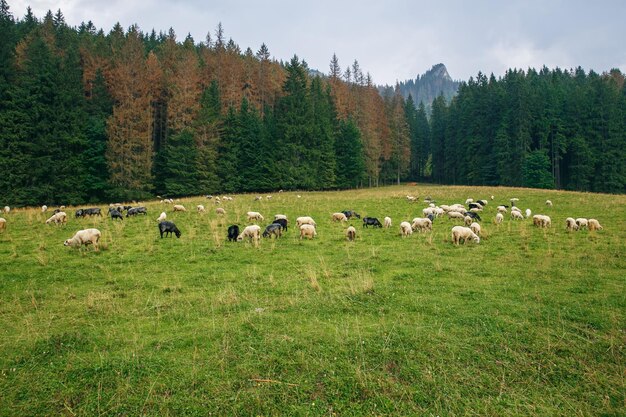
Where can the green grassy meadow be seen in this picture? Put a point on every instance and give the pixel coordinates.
(530, 322)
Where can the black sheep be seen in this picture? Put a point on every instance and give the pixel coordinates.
(282, 223)
(115, 214)
(371, 221)
(168, 227)
(233, 232)
(273, 229)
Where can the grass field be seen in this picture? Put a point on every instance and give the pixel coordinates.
(529, 322)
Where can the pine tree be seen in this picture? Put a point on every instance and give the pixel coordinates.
(349, 155)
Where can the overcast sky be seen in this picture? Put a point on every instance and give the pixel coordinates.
(392, 39)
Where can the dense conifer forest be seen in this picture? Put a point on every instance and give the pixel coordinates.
(91, 116)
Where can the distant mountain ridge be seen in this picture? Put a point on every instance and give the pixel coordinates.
(427, 87)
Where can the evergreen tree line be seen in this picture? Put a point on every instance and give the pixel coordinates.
(92, 117)
(547, 129)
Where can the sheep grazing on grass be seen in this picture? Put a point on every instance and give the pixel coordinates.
(305, 220)
(274, 229)
(467, 220)
(482, 202)
(455, 215)
(233, 232)
(582, 223)
(460, 233)
(168, 227)
(411, 198)
(351, 233)
(475, 228)
(339, 217)
(387, 222)
(115, 214)
(499, 218)
(200, 208)
(570, 224)
(593, 224)
(517, 215)
(528, 213)
(253, 215)
(220, 210)
(44, 208)
(179, 207)
(422, 224)
(280, 216)
(405, 229)
(7, 209)
(308, 231)
(252, 232)
(541, 220)
(282, 222)
(469, 200)
(3, 223)
(84, 237)
(162, 217)
(548, 203)
(501, 209)
(57, 218)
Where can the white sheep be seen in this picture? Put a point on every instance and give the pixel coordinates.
(44, 208)
(463, 233)
(3, 223)
(422, 224)
(84, 237)
(427, 211)
(594, 224)
(280, 216)
(582, 223)
(455, 215)
(339, 217)
(253, 215)
(162, 217)
(541, 220)
(7, 209)
(405, 229)
(499, 218)
(252, 232)
(387, 222)
(200, 208)
(475, 228)
(179, 207)
(305, 220)
(468, 220)
(220, 210)
(469, 200)
(548, 203)
(56, 218)
(351, 233)
(308, 231)
(517, 215)
(439, 212)
(501, 209)
(570, 224)
(528, 213)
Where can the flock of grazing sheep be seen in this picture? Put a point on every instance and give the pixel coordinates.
(468, 213)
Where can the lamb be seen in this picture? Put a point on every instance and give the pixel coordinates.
(179, 207)
(44, 208)
(307, 230)
(463, 233)
(200, 208)
(168, 227)
(516, 215)
(548, 203)
(405, 229)
(351, 233)
(220, 210)
(594, 224)
(499, 218)
(252, 232)
(60, 217)
(305, 220)
(582, 223)
(528, 213)
(475, 228)
(422, 224)
(339, 217)
(253, 215)
(387, 222)
(570, 224)
(84, 237)
(162, 217)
